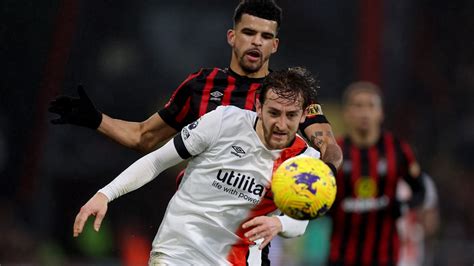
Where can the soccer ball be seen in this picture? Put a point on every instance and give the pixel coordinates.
(303, 187)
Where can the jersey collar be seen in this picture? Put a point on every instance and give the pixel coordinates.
(244, 78)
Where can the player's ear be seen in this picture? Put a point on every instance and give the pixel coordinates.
(231, 37)
(276, 41)
(258, 108)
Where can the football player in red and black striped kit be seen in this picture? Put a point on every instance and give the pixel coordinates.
(253, 40)
(365, 210)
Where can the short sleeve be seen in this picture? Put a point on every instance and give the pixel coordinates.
(178, 109)
(202, 133)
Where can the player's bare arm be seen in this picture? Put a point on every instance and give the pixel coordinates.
(141, 136)
(322, 137)
(96, 206)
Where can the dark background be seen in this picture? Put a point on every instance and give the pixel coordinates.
(131, 55)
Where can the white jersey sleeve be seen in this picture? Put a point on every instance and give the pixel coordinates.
(291, 227)
(195, 138)
(142, 171)
(200, 134)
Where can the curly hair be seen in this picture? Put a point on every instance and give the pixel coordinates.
(290, 84)
(266, 9)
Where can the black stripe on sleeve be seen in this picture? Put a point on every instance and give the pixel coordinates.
(180, 147)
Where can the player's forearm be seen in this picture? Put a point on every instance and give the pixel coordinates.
(142, 171)
(333, 155)
(126, 133)
(322, 138)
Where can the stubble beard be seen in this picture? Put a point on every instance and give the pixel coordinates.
(248, 67)
(268, 139)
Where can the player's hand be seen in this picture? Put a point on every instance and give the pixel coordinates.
(96, 206)
(262, 227)
(77, 111)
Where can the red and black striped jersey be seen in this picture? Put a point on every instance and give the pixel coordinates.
(365, 210)
(206, 89)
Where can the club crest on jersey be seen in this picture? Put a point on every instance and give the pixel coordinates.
(216, 95)
(193, 125)
(365, 187)
(237, 151)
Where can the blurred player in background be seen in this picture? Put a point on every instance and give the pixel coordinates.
(253, 40)
(418, 226)
(224, 202)
(365, 211)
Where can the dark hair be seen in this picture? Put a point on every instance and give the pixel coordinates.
(360, 86)
(290, 84)
(266, 9)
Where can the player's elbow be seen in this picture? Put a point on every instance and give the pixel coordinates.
(141, 147)
(151, 133)
(143, 140)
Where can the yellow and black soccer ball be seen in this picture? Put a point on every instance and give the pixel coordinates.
(304, 187)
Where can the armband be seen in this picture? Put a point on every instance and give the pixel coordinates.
(314, 115)
(317, 119)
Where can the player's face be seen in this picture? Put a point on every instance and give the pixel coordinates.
(363, 112)
(279, 120)
(253, 40)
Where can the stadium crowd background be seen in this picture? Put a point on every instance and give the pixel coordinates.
(130, 56)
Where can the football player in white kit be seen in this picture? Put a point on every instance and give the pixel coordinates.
(223, 212)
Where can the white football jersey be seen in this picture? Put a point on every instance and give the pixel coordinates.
(226, 183)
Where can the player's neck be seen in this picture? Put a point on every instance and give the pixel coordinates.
(364, 139)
